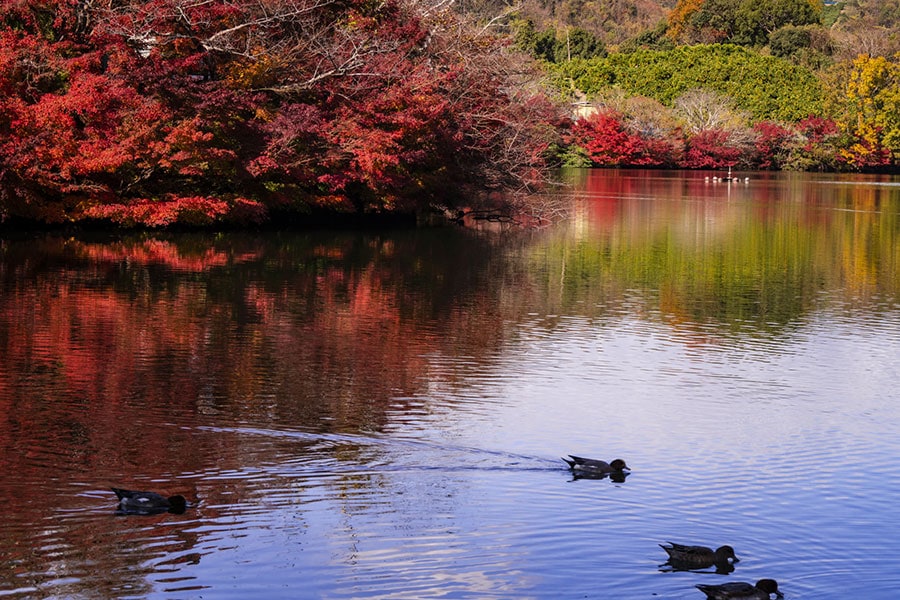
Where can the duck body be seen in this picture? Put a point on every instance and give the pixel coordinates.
(148, 503)
(592, 466)
(684, 557)
(739, 590)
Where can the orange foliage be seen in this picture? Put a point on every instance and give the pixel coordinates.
(680, 15)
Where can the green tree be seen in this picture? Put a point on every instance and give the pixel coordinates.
(789, 39)
(651, 39)
(578, 43)
(745, 22)
(552, 47)
(758, 19)
(765, 86)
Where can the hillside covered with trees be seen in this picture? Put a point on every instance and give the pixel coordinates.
(162, 112)
(759, 84)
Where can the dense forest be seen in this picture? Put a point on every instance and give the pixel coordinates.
(756, 84)
(154, 112)
(162, 112)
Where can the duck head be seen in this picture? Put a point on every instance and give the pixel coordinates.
(726, 553)
(769, 586)
(619, 465)
(177, 504)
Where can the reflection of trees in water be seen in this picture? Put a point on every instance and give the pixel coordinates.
(326, 330)
(757, 256)
(116, 354)
(308, 313)
(106, 346)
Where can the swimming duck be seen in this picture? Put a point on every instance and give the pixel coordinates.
(739, 590)
(148, 503)
(700, 557)
(591, 466)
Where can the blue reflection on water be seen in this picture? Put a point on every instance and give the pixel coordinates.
(785, 450)
(789, 457)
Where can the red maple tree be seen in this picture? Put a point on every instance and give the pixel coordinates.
(607, 142)
(159, 112)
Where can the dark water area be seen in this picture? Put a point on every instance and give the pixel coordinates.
(381, 414)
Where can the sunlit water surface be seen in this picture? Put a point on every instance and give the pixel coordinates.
(382, 415)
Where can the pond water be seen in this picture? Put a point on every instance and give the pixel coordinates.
(382, 414)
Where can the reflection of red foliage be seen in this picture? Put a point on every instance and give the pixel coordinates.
(93, 346)
(159, 252)
(105, 345)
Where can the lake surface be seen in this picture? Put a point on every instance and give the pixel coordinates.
(382, 414)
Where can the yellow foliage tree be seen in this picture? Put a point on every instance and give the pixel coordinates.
(873, 95)
(257, 72)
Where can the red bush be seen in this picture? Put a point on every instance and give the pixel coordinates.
(772, 145)
(709, 150)
(608, 143)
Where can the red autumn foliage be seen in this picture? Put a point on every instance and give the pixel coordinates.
(817, 130)
(773, 144)
(820, 143)
(608, 143)
(854, 151)
(709, 149)
(607, 139)
(158, 112)
(865, 154)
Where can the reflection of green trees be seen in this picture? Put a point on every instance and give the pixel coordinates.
(762, 260)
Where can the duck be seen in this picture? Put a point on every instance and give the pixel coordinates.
(592, 466)
(683, 557)
(148, 503)
(739, 590)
